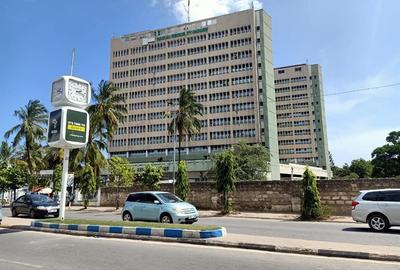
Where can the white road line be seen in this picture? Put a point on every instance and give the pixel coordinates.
(22, 263)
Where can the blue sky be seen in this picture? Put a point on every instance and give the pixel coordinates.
(356, 43)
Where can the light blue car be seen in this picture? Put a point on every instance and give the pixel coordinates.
(158, 206)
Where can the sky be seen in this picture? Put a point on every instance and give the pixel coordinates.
(355, 42)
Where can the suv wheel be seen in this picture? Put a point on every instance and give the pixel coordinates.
(32, 214)
(378, 223)
(127, 216)
(14, 212)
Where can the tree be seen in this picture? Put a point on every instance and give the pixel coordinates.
(186, 121)
(57, 178)
(108, 109)
(311, 201)
(4, 184)
(182, 181)
(252, 161)
(226, 171)
(87, 184)
(121, 174)
(7, 155)
(30, 130)
(151, 176)
(16, 177)
(386, 159)
(361, 167)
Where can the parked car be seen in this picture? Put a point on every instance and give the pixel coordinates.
(379, 208)
(35, 205)
(163, 207)
(1, 215)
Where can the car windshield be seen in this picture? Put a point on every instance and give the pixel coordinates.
(168, 198)
(41, 199)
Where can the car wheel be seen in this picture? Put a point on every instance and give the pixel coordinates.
(127, 216)
(165, 218)
(32, 214)
(378, 223)
(56, 215)
(14, 212)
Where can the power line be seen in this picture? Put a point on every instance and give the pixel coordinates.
(363, 89)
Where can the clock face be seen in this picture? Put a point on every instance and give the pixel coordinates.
(57, 90)
(77, 91)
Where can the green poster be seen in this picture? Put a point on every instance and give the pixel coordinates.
(54, 129)
(76, 126)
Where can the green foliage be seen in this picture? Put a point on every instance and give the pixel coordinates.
(151, 176)
(57, 178)
(182, 186)
(361, 167)
(226, 171)
(386, 159)
(122, 173)
(186, 121)
(30, 130)
(7, 155)
(87, 183)
(311, 201)
(252, 161)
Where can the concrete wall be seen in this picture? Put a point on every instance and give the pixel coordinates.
(269, 196)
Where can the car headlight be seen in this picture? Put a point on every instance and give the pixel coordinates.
(178, 210)
(41, 208)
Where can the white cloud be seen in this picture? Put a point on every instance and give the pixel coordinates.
(201, 9)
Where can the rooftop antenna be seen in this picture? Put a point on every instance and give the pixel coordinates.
(187, 9)
(72, 61)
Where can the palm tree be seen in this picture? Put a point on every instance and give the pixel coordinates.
(30, 130)
(108, 109)
(185, 118)
(7, 154)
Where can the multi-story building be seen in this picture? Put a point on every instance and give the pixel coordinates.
(300, 111)
(225, 60)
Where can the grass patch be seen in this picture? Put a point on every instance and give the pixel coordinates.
(133, 224)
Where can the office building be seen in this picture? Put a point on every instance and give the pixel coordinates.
(300, 111)
(225, 60)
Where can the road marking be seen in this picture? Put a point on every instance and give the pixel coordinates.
(22, 263)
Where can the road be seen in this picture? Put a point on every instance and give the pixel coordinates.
(318, 231)
(34, 250)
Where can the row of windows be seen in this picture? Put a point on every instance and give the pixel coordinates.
(294, 142)
(175, 66)
(295, 69)
(295, 151)
(197, 74)
(292, 115)
(218, 46)
(292, 97)
(294, 124)
(240, 42)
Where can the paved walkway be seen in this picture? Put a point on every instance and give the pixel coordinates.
(212, 213)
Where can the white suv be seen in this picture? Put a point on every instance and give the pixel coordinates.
(379, 208)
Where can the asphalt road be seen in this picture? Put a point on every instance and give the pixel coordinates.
(319, 231)
(35, 250)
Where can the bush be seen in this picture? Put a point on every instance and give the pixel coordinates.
(151, 176)
(311, 209)
(226, 169)
(182, 187)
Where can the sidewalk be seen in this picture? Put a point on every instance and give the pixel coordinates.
(213, 213)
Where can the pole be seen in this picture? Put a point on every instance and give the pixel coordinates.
(72, 61)
(173, 165)
(64, 183)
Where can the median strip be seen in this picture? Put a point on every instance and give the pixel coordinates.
(133, 228)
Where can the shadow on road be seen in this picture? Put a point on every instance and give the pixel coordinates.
(368, 230)
(7, 231)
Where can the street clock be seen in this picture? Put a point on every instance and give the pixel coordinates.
(70, 91)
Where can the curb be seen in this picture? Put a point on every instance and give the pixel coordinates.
(144, 231)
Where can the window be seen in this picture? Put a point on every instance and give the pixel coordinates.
(138, 197)
(281, 71)
(150, 198)
(370, 196)
(389, 196)
(297, 69)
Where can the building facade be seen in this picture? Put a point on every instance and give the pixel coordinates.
(225, 60)
(300, 108)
